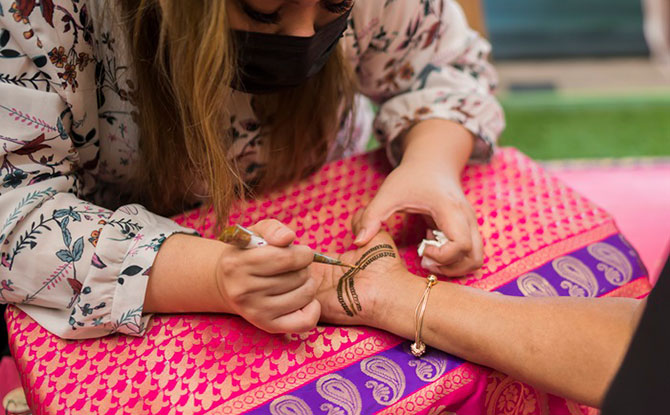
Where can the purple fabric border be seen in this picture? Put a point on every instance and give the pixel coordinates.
(604, 286)
(399, 355)
(401, 358)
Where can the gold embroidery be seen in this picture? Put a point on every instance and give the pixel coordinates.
(289, 405)
(523, 209)
(391, 380)
(535, 285)
(428, 367)
(580, 280)
(507, 396)
(540, 257)
(426, 397)
(618, 269)
(341, 392)
(635, 289)
(307, 373)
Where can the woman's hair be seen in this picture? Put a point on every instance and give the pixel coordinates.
(184, 61)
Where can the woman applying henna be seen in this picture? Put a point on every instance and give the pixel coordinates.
(117, 114)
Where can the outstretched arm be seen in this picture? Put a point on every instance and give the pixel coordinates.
(571, 347)
(568, 346)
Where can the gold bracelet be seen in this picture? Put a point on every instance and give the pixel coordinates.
(418, 348)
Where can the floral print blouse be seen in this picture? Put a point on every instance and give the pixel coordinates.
(77, 259)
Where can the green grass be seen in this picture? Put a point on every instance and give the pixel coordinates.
(552, 126)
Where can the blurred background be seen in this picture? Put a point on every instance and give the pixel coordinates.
(586, 90)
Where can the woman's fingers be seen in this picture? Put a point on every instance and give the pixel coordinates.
(477, 244)
(271, 260)
(294, 311)
(369, 222)
(284, 283)
(299, 321)
(456, 227)
(274, 232)
(463, 252)
(468, 264)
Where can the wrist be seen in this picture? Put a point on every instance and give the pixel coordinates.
(394, 305)
(216, 281)
(182, 278)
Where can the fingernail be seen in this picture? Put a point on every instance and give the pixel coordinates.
(281, 233)
(361, 236)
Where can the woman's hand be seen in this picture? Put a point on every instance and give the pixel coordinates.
(270, 286)
(427, 182)
(343, 291)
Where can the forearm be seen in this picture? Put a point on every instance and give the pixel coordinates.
(444, 144)
(182, 278)
(570, 347)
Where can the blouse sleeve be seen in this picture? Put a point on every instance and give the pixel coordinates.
(419, 60)
(78, 269)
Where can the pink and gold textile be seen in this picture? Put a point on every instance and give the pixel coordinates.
(540, 237)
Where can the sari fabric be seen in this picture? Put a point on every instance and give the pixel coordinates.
(540, 239)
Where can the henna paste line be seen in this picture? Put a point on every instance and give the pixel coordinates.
(351, 305)
(356, 304)
(376, 257)
(340, 298)
(373, 249)
(348, 282)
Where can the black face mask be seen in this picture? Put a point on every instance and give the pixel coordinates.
(269, 63)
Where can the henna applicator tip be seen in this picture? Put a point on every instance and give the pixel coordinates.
(244, 238)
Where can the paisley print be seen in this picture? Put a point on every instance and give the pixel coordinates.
(389, 383)
(289, 405)
(342, 394)
(616, 266)
(579, 279)
(535, 285)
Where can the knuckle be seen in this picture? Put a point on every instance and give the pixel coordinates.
(463, 247)
(303, 325)
(477, 264)
(255, 316)
(229, 266)
(466, 247)
(448, 256)
(478, 260)
(309, 290)
(273, 328)
(299, 279)
(241, 298)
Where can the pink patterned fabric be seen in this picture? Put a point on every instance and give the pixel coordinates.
(214, 364)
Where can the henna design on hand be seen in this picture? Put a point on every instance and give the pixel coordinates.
(374, 249)
(345, 286)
